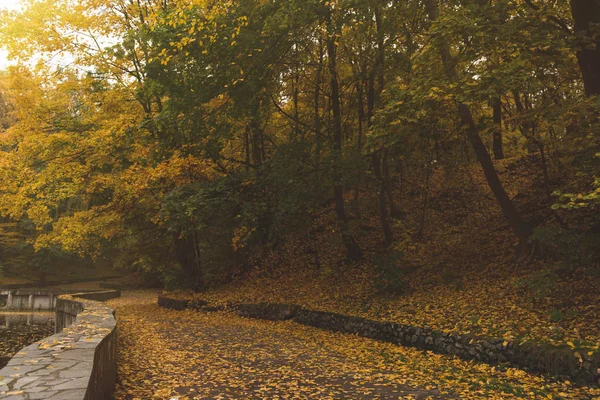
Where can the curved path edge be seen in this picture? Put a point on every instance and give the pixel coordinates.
(558, 361)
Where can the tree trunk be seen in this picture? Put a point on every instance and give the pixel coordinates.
(528, 130)
(353, 250)
(256, 136)
(378, 158)
(361, 119)
(186, 254)
(425, 196)
(387, 182)
(497, 145)
(383, 213)
(247, 147)
(586, 15)
(519, 226)
(317, 110)
(544, 165)
(376, 165)
(296, 96)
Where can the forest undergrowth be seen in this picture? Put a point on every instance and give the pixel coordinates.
(461, 275)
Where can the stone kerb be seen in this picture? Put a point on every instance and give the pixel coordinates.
(79, 362)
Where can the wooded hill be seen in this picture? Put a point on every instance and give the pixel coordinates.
(187, 139)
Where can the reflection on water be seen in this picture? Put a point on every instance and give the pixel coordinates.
(14, 320)
(18, 330)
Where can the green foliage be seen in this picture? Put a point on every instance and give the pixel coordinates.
(573, 201)
(392, 279)
(452, 279)
(556, 315)
(205, 130)
(572, 249)
(540, 284)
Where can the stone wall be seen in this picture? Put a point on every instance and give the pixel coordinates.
(79, 362)
(66, 311)
(27, 299)
(43, 300)
(558, 361)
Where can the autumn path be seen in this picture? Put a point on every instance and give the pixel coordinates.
(167, 353)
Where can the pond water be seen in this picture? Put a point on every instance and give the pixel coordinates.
(18, 330)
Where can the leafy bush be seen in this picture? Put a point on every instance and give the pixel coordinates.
(573, 201)
(540, 284)
(573, 249)
(452, 279)
(391, 278)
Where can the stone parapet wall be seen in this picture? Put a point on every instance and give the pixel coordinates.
(79, 362)
(558, 361)
(25, 300)
(43, 300)
(104, 295)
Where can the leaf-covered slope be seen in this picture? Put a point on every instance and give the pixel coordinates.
(461, 275)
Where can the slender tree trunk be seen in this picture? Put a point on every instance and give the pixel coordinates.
(380, 49)
(361, 115)
(544, 164)
(383, 213)
(185, 253)
(387, 182)
(586, 14)
(296, 97)
(528, 130)
(401, 179)
(353, 250)
(317, 110)
(377, 157)
(256, 136)
(336, 119)
(521, 228)
(387, 179)
(497, 145)
(376, 162)
(425, 196)
(247, 146)
(361, 119)
(527, 125)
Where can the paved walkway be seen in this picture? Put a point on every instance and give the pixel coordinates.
(169, 354)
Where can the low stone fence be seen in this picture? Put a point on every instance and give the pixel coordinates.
(79, 362)
(558, 361)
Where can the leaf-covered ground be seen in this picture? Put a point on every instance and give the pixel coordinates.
(482, 306)
(460, 275)
(167, 354)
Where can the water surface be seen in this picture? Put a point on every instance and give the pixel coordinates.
(19, 329)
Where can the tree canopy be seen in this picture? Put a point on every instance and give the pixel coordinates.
(179, 136)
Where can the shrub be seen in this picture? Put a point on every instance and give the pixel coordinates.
(391, 278)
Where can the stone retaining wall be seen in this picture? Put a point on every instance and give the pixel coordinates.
(559, 361)
(79, 362)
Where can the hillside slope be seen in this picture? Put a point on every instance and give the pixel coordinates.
(461, 274)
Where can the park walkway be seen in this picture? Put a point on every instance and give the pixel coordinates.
(167, 354)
